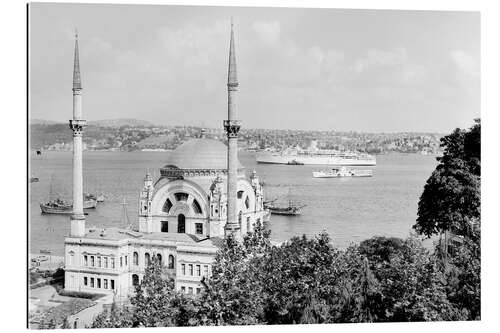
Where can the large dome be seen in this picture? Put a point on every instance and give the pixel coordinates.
(199, 154)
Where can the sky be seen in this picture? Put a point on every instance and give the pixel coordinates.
(311, 69)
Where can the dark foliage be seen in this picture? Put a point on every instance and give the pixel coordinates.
(451, 198)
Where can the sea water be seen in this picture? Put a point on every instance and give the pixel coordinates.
(348, 209)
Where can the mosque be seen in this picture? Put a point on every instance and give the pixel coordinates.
(201, 196)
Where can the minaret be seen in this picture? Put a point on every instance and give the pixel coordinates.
(77, 124)
(232, 127)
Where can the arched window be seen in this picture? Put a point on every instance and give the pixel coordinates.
(136, 258)
(247, 202)
(196, 207)
(158, 256)
(181, 224)
(171, 264)
(167, 206)
(181, 196)
(135, 280)
(147, 259)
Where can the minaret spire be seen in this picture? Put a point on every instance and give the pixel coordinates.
(232, 127)
(232, 76)
(77, 81)
(77, 125)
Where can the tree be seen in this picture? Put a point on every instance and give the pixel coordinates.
(463, 274)
(116, 317)
(451, 198)
(232, 295)
(152, 298)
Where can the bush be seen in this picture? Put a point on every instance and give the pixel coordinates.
(81, 294)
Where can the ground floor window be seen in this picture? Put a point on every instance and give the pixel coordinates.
(198, 270)
(190, 290)
(98, 283)
(85, 281)
(135, 279)
(105, 283)
(198, 291)
(183, 289)
(205, 270)
(183, 268)
(113, 284)
(91, 282)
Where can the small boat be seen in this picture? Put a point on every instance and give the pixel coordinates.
(34, 180)
(342, 172)
(39, 152)
(294, 162)
(59, 206)
(290, 210)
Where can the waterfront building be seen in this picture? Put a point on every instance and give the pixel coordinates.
(201, 196)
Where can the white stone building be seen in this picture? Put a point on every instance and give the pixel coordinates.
(182, 215)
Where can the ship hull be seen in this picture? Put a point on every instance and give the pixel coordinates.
(269, 158)
(66, 210)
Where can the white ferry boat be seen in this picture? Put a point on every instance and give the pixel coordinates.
(342, 172)
(315, 156)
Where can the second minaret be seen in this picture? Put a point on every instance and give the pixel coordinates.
(232, 127)
(77, 125)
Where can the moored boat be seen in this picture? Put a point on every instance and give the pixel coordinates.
(59, 206)
(342, 172)
(290, 210)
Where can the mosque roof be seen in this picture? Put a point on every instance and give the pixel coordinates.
(199, 154)
(116, 234)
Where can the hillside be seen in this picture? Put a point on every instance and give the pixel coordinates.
(120, 122)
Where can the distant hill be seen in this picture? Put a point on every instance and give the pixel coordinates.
(120, 122)
(36, 121)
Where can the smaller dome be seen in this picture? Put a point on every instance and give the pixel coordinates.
(199, 154)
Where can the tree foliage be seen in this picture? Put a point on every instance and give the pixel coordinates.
(451, 197)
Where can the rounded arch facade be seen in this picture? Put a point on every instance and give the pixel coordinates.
(179, 202)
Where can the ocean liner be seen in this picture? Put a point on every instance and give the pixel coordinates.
(315, 156)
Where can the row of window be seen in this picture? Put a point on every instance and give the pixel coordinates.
(104, 262)
(181, 226)
(191, 270)
(190, 290)
(96, 283)
(147, 259)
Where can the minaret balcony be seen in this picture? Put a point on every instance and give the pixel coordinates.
(232, 127)
(77, 125)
